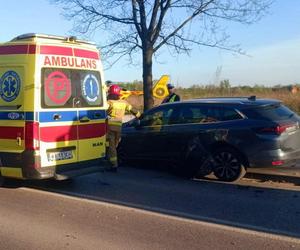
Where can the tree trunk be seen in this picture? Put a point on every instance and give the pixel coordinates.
(147, 78)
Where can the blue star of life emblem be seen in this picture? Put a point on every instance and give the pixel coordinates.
(10, 86)
(90, 88)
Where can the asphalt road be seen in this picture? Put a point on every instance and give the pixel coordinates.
(145, 209)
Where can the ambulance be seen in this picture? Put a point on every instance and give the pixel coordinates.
(52, 107)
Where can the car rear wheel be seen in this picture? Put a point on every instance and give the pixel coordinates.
(228, 165)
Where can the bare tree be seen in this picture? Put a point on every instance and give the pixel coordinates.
(131, 26)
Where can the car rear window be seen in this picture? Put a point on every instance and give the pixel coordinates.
(272, 112)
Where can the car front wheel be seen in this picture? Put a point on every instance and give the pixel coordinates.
(228, 165)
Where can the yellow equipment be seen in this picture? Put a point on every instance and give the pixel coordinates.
(159, 90)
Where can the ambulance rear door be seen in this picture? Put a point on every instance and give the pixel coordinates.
(72, 123)
(91, 127)
(58, 118)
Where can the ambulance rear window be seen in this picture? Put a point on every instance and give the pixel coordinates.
(68, 88)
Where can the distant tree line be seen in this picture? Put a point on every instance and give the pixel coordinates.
(288, 94)
(223, 87)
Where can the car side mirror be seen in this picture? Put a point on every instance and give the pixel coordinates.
(136, 123)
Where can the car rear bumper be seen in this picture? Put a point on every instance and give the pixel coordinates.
(274, 159)
(30, 167)
(66, 171)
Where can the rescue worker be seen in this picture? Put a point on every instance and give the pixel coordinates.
(116, 112)
(172, 97)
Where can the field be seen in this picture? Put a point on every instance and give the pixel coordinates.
(290, 99)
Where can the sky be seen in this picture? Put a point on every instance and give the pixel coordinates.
(272, 46)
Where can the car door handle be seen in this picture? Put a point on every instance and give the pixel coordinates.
(84, 119)
(19, 141)
(56, 117)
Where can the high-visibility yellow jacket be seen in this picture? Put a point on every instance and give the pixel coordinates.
(116, 111)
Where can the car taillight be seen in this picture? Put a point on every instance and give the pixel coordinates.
(278, 130)
(32, 136)
(277, 163)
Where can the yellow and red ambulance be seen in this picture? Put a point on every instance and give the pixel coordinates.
(52, 107)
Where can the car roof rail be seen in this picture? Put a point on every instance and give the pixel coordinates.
(252, 98)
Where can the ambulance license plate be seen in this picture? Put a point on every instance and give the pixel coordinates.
(58, 156)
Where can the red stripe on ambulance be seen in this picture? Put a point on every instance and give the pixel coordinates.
(69, 133)
(48, 50)
(16, 49)
(32, 49)
(56, 50)
(11, 132)
(86, 53)
(91, 130)
(58, 133)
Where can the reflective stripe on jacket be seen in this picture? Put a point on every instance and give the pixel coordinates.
(171, 98)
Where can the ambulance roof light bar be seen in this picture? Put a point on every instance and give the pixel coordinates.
(62, 38)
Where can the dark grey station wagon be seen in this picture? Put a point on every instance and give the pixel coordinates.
(224, 136)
